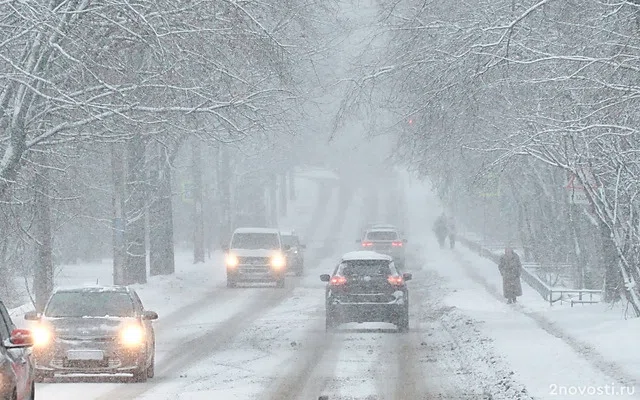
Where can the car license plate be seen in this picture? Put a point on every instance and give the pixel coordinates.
(85, 355)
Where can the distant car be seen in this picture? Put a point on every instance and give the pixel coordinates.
(366, 287)
(295, 253)
(94, 330)
(256, 255)
(17, 372)
(386, 241)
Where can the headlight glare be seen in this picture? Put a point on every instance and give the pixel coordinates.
(278, 261)
(232, 261)
(41, 336)
(132, 335)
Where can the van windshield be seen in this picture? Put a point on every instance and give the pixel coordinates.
(255, 241)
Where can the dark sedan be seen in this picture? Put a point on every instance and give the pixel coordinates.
(366, 287)
(95, 330)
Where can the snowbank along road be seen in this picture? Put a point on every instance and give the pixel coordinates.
(266, 343)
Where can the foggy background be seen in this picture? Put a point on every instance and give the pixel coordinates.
(130, 128)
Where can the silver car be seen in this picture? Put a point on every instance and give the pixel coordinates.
(94, 330)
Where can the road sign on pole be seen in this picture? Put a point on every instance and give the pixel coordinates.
(576, 191)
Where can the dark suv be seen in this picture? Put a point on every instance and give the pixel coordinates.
(94, 330)
(16, 362)
(366, 287)
(294, 253)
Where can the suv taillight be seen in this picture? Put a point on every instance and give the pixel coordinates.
(337, 280)
(367, 244)
(395, 280)
(396, 244)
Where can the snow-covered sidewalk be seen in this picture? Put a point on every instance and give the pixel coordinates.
(585, 352)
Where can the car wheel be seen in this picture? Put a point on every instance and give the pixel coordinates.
(151, 369)
(280, 283)
(140, 375)
(330, 322)
(33, 391)
(403, 322)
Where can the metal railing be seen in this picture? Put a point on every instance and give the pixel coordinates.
(548, 293)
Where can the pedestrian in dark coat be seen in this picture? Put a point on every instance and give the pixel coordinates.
(441, 229)
(510, 268)
(451, 227)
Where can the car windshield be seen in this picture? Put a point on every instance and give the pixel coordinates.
(365, 268)
(255, 241)
(289, 240)
(382, 235)
(90, 304)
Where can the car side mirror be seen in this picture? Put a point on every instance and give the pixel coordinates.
(407, 276)
(358, 240)
(224, 247)
(325, 277)
(19, 338)
(404, 240)
(303, 246)
(32, 316)
(287, 247)
(150, 315)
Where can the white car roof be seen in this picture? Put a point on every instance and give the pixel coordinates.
(382, 230)
(256, 230)
(365, 255)
(289, 233)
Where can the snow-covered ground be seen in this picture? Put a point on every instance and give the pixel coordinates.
(464, 342)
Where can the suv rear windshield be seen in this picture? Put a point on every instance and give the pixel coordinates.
(252, 241)
(382, 235)
(365, 268)
(90, 304)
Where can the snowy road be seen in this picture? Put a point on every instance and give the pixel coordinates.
(267, 343)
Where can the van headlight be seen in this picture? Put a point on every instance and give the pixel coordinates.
(278, 262)
(231, 260)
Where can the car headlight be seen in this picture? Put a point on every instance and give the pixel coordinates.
(132, 335)
(278, 261)
(41, 336)
(232, 261)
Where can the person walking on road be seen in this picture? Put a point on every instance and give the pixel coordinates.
(451, 229)
(510, 268)
(440, 229)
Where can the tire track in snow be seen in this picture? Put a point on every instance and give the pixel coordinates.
(583, 350)
(192, 351)
(324, 350)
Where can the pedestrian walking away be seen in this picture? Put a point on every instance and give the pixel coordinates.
(451, 227)
(440, 229)
(511, 269)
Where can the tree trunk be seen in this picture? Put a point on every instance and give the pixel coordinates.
(224, 190)
(43, 279)
(610, 259)
(283, 194)
(292, 185)
(273, 200)
(198, 218)
(118, 204)
(136, 267)
(161, 253)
